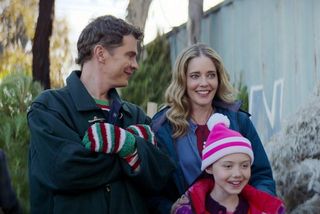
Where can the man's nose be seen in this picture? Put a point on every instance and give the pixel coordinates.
(134, 64)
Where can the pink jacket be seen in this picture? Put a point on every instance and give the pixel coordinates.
(259, 201)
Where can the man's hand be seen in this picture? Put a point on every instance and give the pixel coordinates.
(110, 139)
(143, 131)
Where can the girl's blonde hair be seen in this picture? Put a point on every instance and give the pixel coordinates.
(176, 94)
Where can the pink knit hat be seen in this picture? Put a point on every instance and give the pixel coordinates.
(223, 141)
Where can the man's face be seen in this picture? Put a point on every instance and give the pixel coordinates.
(121, 62)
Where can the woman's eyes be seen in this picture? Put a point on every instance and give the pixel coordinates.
(211, 76)
(194, 76)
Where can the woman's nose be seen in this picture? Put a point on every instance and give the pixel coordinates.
(203, 81)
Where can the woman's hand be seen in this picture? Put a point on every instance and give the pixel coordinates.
(182, 206)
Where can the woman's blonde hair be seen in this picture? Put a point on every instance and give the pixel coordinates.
(176, 94)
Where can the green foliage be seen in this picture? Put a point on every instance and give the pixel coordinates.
(17, 90)
(242, 93)
(150, 81)
(243, 96)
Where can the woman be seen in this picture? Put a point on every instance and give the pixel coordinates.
(199, 88)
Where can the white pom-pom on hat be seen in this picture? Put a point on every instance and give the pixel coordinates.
(217, 118)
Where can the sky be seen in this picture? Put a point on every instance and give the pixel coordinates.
(163, 16)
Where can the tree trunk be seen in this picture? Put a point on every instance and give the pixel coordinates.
(195, 12)
(138, 12)
(41, 43)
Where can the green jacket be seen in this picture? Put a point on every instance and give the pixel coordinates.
(66, 178)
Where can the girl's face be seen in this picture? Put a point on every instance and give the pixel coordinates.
(202, 81)
(231, 173)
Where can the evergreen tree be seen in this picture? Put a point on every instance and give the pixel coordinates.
(17, 90)
(150, 81)
(294, 154)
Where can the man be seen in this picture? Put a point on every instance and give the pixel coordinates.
(91, 152)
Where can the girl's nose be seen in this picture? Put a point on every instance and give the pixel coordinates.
(237, 172)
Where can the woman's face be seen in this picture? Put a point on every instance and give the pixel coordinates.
(202, 81)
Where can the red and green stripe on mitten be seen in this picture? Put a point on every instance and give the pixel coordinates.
(143, 131)
(110, 139)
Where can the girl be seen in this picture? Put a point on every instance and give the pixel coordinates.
(223, 187)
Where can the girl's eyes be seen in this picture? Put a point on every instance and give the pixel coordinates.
(229, 166)
(244, 166)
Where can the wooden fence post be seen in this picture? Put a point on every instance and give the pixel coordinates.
(151, 109)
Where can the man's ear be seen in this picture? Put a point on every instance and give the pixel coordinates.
(99, 52)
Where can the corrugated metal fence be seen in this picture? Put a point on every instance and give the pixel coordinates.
(273, 44)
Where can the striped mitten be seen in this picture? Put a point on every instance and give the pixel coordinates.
(110, 139)
(143, 131)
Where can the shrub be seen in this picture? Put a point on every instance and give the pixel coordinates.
(17, 90)
(295, 157)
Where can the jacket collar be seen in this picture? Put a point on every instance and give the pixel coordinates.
(79, 94)
(83, 100)
(235, 106)
(160, 117)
